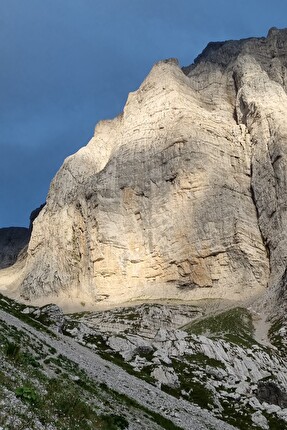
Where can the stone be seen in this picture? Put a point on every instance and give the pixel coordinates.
(27, 310)
(271, 393)
(129, 346)
(162, 355)
(166, 376)
(50, 315)
(218, 373)
(161, 336)
(255, 404)
(260, 420)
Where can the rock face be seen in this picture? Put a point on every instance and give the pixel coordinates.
(34, 215)
(12, 241)
(214, 361)
(271, 393)
(183, 195)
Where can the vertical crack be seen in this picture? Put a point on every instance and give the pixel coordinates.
(253, 197)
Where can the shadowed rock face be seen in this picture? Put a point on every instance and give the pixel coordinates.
(270, 393)
(34, 215)
(12, 241)
(183, 195)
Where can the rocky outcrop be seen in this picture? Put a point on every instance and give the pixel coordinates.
(214, 360)
(183, 195)
(13, 240)
(50, 315)
(271, 393)
(34, 215)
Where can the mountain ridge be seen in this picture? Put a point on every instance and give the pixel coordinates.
(168, 199)
(164, 240)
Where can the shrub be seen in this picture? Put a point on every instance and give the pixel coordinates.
(27, 393)
(114, 422)
(12, 350)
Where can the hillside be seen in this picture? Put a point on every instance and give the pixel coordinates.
(150, 366)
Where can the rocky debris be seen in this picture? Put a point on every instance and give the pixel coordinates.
(260, 420)
(50, 315)
(145, 319)
(181, 413)
(222, 370)
(13, 240)
(224, 366)
(129, 346)
(52, 381)
(166, 376)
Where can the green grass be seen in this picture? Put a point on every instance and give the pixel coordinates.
(275, 423)
(234, 325)
(12, 350)
(203, 360)
(239, 418)
(28, 394)
(14, 308)
(196, 391)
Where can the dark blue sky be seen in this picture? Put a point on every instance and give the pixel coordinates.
(66, 64)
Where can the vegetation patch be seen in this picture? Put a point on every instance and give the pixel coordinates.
(234, 325)
(203, 360)
(28, 394)
(195, 390)
(237, 416)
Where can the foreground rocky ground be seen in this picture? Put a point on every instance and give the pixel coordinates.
(40, 365)
(149, 366)
(212, 360)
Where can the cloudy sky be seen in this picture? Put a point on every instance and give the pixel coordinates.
(66, 64)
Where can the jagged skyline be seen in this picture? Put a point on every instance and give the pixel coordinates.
(66, 65)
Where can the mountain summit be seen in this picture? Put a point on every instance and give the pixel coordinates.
(182, 196)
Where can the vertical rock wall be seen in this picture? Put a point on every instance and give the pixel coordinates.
(183, 195)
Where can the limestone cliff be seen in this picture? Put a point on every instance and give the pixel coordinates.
(183, 195)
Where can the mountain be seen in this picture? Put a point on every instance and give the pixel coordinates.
(183, 195)
(168, 234)
(12, 241)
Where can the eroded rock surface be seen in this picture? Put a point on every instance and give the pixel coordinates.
(213, 361)
(183, 195)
